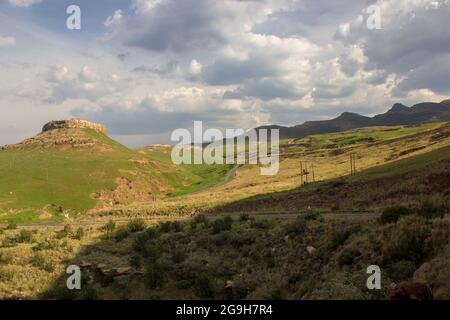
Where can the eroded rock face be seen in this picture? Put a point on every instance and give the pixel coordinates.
(73, 123)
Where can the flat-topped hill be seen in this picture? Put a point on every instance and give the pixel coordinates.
(69, 134)
(73, 123)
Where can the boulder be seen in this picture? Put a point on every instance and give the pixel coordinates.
(310, 249)
(409, 290)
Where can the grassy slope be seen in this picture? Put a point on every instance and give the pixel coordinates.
(403, 180)
(373, 146)
(33, 180)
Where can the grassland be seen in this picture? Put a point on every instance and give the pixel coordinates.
(374, 147)
(285, 240)
(56, 183)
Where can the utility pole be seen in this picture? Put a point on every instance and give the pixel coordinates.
(352, 164)
(312, 169)
(301, 172)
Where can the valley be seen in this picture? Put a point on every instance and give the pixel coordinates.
(141, 227)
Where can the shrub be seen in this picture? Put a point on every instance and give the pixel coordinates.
(121, 233)
(335, 207)
(408, 243)
(392, 214)
(312, 215)
(24, 236)
(165, 227)
(89, 292)
(135, 261)
(6, 257)
(244, 217)
(222, 224)
(168, 226)
(204, 286)
(109, 228)
(348, 256)
(39, 261)
(152, 251)
(261, 224)
(154, 276)
(136, 225)
(177, 226)
(67, 231)
(178, 256)
(199, 219)
(401, 270)
(431, 208)
(296, 228)
(11, 226)
(141, 239)
(79, 234)
(339, 237)
(9, 243)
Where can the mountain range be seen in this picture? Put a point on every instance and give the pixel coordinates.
(399, 114)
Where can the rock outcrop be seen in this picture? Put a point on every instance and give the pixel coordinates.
(73, 123)
(65, 134)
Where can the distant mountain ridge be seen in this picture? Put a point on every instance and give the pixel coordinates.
(399, 114)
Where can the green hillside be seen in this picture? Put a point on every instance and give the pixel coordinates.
(66, 172)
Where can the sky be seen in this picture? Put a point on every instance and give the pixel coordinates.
(147, 67)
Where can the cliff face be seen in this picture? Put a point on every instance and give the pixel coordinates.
(73, 123)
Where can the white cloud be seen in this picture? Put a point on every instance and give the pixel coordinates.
(23, 3)
(195, 68)
(7, 41)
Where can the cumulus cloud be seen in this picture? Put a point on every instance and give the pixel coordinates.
(406, 44)
(233, 63)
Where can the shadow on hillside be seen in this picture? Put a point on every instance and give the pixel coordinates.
(401, 181)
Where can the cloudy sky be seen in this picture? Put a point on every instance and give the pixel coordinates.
(147, 67)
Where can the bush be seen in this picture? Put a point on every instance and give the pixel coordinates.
(79, 234)
(222, 224)
(39, 261)
(348, 256)
(67, 231)
(204, 286)
(260, 224)
(109, 228)
(199, 220)
(296, 228)
(24, 236)
(401, 270)
(154, 276)
(339, 237)
(152, 251)
(141, 239)
(135, 261)
(177, 226)
(408, 243)
(178, 256)
(244, 217)
(169, 226)
(392, 214)
(312, 215)
(431, 208)
(11, 226)
(136, 225)
(121, 233)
